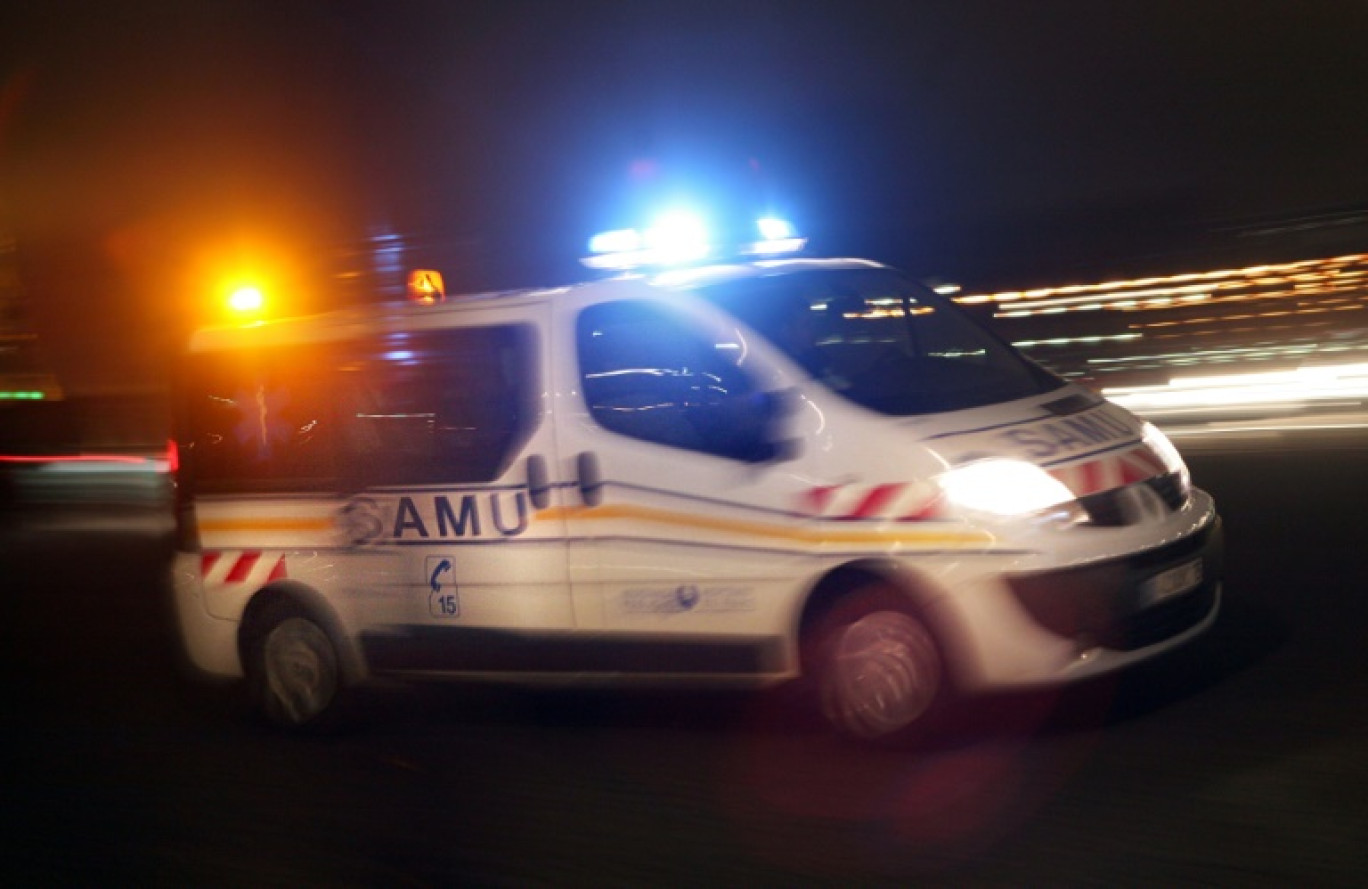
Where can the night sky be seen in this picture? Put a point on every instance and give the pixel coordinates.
(995, 143)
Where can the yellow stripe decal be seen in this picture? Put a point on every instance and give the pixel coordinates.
(811, 535)
(281, 524)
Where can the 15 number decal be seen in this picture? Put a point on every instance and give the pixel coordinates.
(442, 601)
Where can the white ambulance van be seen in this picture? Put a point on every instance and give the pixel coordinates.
(743, 473)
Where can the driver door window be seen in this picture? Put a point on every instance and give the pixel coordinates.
(652, 375)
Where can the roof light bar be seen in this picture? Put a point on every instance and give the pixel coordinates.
(775, 229)
(777, 236)
(680, 238)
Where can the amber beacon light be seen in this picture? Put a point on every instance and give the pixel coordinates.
(425, 287)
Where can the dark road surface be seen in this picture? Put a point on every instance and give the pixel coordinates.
(1239, 761)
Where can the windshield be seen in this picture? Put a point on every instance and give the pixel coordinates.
(882, 341)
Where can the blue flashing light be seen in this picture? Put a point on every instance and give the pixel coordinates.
(777, 236)
(623, 240)
(680, 238)
(676, 238)
(776, 247)
(774, 229)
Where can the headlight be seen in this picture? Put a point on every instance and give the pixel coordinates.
(1003, 487)
(1159, 443)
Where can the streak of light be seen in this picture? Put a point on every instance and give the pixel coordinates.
(1284, 390)
(1258, 351)
(1222, 319)
(1288, 268)
(1306, 278)
(71, 458)
(1244, 428)
(1069, 340)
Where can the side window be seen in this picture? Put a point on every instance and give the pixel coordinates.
(412, 408)
(260, 421)
(651, 374)
(439, 406)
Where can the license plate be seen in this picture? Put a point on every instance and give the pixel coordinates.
(1173, 582)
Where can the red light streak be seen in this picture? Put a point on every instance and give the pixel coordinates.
(76, 458)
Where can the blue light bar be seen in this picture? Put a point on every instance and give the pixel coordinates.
(777, 236)
(623, 240)
(775, 229)
(676, 238)
(680, 238)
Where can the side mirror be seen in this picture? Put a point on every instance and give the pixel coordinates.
(781, 403)
(775, 448)
(779, 451)
(744, 427)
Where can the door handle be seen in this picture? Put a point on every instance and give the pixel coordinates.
(590, 481)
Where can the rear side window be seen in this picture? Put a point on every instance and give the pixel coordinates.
(259, 421)
(441, 406)
(412, 408)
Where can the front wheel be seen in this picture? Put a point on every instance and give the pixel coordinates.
(295, 671)
(878, 671)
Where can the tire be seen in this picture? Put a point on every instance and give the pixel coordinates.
(877, 671)
(295, 673)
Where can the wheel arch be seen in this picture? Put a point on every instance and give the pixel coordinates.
(313, 605)
(915, 587)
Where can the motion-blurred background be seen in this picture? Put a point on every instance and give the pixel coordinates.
(1143, 191)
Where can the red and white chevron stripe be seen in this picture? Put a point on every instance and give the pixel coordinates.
(241, 566)
(890, 502)
(919, 501)
(1113, 471)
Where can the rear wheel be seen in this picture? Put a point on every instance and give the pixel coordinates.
(295, 671)
(878, 671)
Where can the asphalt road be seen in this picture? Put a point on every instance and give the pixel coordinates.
(1239, 761)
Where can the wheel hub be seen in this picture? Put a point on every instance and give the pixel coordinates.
(884, 674)
(300, 671)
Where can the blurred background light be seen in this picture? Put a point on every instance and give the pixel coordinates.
(247, 299)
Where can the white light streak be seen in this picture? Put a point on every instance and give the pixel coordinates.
(1284, 390)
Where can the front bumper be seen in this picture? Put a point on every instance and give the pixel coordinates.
(1112, 605)
(210, 642)
(1037, 628)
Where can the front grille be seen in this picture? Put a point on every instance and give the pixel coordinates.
(1104, 509)
(1169, 487)
(1117, 506)
(1104, 603)
(1160, 622)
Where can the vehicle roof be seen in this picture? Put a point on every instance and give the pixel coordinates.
(360, 321)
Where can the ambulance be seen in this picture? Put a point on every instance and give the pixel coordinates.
(744, 470)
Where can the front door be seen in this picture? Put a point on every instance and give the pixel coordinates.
(684, 546)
